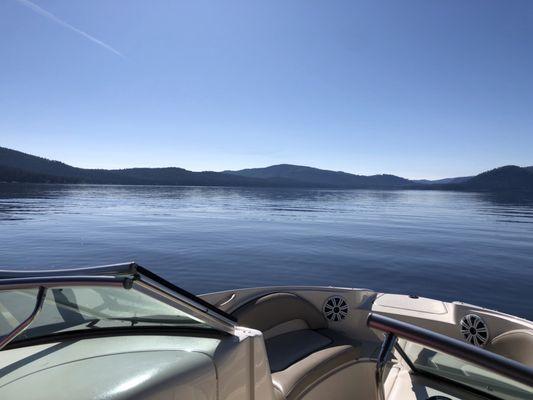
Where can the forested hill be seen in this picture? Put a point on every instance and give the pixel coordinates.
(16, 166)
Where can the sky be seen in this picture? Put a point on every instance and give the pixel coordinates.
(417, 88)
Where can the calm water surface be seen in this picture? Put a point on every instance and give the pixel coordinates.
(476, 248)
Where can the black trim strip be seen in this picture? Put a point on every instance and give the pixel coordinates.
(58, 280)
(399, 349)
(156, 278)
(92, 333)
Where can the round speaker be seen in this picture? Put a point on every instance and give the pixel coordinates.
(474, 330)
(336, 308)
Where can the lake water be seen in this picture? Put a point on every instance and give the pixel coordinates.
(472, 247)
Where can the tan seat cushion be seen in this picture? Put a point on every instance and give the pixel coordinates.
(294, 381)
(284, 350)
(300, 352)
(515, 345)
(274, 309)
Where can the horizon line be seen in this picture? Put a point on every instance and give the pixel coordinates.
(267, 166)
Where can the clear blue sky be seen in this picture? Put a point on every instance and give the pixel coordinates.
(418, 88)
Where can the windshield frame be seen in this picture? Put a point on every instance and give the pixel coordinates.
(126, 276)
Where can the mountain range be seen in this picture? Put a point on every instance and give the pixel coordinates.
(16, 166)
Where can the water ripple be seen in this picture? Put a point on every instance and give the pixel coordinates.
(429, 243)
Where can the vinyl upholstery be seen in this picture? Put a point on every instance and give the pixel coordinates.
(300, 358)
(274, 309)
(294, 381)
(285, 350)
(514, 345)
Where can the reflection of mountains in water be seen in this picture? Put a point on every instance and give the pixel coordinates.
(16, 166)
(24, 201)
(511, 207)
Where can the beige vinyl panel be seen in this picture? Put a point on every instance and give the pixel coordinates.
(355, 382)
(19, 362)
(354, 325)
(436, 315)
(445, 317)
(149, 375)
(242, 367)
(151, 367)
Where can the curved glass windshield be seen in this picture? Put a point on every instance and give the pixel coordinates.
(443, 365)
(75, 308)
(15, 307)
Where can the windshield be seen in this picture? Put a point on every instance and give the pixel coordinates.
(440, 364)
(87, 307)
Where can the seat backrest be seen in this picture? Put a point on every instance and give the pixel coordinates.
(275, 309)
(516, 345)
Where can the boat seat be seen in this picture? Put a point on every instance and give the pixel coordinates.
(301, 351)
(268, 312)
(514, 345)
(294, 381)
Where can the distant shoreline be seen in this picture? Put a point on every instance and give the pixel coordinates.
(432, 188)
(22, 168)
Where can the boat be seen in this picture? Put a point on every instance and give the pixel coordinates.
(123, 332)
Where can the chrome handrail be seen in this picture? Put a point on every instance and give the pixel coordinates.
(465, 351)
(129, 268)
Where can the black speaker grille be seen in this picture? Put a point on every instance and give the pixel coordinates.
(336, 308)
(474, 330)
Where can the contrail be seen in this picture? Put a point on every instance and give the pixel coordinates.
(41, 11)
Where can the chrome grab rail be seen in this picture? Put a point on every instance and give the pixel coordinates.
(436, 341)
(102, 270)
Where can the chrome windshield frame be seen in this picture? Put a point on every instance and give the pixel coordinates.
(41, 294)
(129, 275)
(101, 270)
